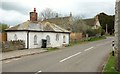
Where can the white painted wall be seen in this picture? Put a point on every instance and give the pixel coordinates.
(42, 35)
(31, 39)
(20, 36)
(97, 25)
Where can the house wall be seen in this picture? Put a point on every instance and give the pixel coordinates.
(76, 36)
(97, 25)
(42, 35)
(20, 36)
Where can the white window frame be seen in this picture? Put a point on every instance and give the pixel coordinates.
(57, 37)
(35, 40)
(64, 39)
(48, 39)
(15, 37)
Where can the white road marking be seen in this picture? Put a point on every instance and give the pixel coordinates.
(17, 59)
(70, 56)
(38, 72)
(88, 48)
(7, 61)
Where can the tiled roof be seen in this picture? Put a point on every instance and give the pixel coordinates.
(38, 26)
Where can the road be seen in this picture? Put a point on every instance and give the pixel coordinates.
(87, 57)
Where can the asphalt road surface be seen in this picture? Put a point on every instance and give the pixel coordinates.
(87, 57)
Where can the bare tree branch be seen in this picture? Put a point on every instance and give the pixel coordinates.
(48, 13)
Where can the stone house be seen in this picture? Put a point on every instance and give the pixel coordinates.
(93, 22)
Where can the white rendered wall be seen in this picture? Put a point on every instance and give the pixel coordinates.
(42, 35)
(31, 39)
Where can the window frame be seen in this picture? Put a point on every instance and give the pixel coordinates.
(64, 39)
(15, 37)
(35, 40)
(57, 37)
(48, 40)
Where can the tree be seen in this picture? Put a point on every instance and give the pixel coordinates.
(107, 19)
(3, 26)
(79, 25)
(90, 32)
(48, 13)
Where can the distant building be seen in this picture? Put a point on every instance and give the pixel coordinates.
(35, 33)
(65, 22)
(93, 22)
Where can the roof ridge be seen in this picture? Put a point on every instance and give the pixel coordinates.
(38, 26)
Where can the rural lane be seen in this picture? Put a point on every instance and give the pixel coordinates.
(87, 57)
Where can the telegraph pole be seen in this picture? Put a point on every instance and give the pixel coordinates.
(106, 29)
(117, 32)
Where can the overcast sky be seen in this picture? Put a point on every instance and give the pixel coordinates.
(14, 12)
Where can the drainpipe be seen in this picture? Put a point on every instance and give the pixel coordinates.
(27, 39)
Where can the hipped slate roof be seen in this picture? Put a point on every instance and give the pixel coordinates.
(37, 26)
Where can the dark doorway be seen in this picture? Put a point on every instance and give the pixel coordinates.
(44, 43)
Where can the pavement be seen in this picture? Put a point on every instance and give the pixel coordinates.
(21, 53)
(88, 57)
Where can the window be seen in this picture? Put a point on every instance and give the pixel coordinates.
(48, 39)
(35, 40)
(57, 37)
(15, 37)
(64, 39)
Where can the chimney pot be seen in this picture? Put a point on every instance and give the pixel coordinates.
(34, 9)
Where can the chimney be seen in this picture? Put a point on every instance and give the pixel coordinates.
(34, 9)
(33, 15)
(70, 14)
(56, 15)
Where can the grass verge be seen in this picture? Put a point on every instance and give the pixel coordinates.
(110, 66)
(91, 39)
(52, 49)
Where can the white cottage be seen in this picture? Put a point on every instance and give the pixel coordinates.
(36, 34)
